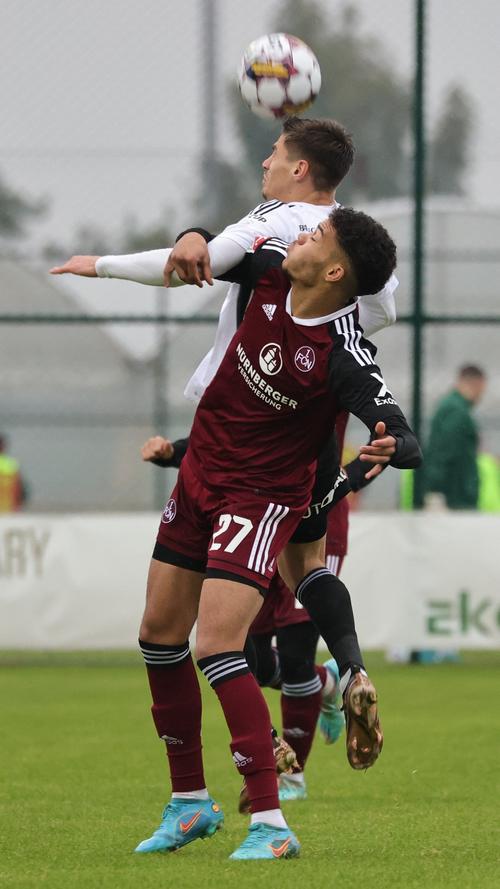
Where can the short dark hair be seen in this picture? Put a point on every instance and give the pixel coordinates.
(471, 372)
(325, 144)
(368, 245)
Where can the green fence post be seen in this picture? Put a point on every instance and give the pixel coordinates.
(418, 245)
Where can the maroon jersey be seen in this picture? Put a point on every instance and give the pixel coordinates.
(274, 401)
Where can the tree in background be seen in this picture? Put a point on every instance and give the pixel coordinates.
(448, 148)
(96, 241)
(16, 211)
(362, 89)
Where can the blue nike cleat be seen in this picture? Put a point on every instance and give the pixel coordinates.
(264, 841)
(331, 718)
(289, 790)
(183, 821)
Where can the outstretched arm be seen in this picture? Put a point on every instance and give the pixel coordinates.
(147, 267)
(144, 268)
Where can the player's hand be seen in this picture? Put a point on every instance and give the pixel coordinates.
(157, 448)
(77, 265)
(191, 260)
(379, 451)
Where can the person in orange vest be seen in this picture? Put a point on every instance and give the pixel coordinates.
(11, 486)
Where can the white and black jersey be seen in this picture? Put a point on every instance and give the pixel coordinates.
(284, 221)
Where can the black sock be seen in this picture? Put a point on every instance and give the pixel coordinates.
(328, 602)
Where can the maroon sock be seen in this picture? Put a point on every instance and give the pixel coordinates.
(321, 672)
(299, 716)
(176, 711)
(249, 723)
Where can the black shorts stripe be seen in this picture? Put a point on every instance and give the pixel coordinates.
(171, 557)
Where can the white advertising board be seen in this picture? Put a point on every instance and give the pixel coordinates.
(423, 580)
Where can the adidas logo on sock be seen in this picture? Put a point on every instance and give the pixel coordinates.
(269, 309)
(240, 760)
(295, 732)
(169, 740)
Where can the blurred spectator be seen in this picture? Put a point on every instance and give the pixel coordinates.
(450, 466)
(12, 492)
(452, 470)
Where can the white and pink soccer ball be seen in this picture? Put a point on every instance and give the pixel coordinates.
(279, 75)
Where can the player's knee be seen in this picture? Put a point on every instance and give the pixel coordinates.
(159, 628)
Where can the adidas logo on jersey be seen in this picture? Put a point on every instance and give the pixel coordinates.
(269, 309)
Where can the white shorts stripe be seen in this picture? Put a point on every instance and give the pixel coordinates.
(332, 563)
(268, 534)
(277, 520)
(260, 529)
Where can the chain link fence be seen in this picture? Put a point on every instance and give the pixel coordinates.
(112, 117)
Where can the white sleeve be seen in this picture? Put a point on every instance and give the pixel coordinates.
(267, 220)
(145, 268)
(378, 310)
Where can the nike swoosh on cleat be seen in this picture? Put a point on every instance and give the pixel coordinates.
(278, 852)
(189, 824)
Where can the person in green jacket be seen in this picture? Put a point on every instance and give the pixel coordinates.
(450, 464)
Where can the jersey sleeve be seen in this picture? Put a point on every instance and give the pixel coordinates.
(360, 388)
(378, 310)
(267, 255)
(180, 447)
(143, 268)
(269, 219)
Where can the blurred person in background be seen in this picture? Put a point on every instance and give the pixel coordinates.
(451, 475)
(12, 490)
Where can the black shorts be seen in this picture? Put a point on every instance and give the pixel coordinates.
(330, 486)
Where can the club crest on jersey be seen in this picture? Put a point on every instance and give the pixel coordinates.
(270, 359)
(169, 512)
(305, 359)
(258, 242)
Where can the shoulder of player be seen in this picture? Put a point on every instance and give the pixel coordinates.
(277, 208)
(261, 211)
(350, 347)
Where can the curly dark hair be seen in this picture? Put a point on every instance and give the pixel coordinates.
(368, 245)
(325, 144)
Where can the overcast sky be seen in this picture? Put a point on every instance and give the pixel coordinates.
(100, 99)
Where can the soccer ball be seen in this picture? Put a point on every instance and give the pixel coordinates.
(279, 75)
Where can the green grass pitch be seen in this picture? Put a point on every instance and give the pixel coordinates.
(84, 779)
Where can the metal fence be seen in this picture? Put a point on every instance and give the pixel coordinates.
(116, 118)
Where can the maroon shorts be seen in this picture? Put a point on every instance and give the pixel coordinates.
(279, 609)
(227, 534)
